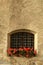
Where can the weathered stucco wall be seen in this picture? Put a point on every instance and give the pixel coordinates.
(21, 14)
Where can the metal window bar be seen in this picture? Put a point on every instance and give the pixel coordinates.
(23, 39)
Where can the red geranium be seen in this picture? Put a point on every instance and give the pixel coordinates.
(15, 50)
(32, 49)
(9, 51)
(20, 49)
(26, 49)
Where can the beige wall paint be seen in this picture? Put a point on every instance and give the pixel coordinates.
(21, 14)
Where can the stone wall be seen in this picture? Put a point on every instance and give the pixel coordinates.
(21, 14)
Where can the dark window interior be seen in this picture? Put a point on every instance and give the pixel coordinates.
(21, 39)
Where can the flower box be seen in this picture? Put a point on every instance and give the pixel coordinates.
(26, 52)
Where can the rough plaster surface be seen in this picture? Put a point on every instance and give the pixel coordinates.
(21, 14)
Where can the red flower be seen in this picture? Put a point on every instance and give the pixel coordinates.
(35, 52)
(9, 51)
(20, 49)
(32, 49)
(15, 50)
(26, 49)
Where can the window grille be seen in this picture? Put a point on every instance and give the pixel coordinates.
(21, 39)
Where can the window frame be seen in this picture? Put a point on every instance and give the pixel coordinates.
(25, 30)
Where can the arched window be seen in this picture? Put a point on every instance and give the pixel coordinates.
(21, 39)
(24, 39)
